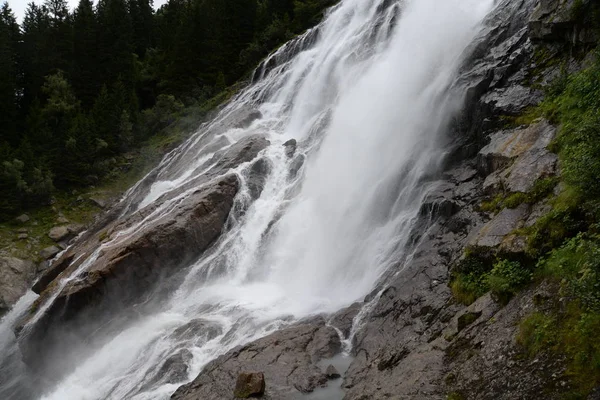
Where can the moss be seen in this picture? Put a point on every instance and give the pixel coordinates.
(541, 190)
(564, 220)
(455, 396)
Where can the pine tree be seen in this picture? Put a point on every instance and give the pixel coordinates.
(9, 77)
(142, 22)
(36, 54)
(60, 35)
(85, 49)
(115, 43)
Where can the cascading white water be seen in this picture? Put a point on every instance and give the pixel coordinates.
(368, 102)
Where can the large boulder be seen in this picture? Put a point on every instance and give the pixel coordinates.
(15, 277)
(59, 233)
(120, 273)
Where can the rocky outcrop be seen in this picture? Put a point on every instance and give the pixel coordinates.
(15, 278)
(129, 268)
(554, 20)
(288, 359)
(516, 159)
(104, 274)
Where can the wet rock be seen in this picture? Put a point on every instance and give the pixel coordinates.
(15, 277)
(175, 368)
(440, 203)
(344, 319)
(249, 384)
(59, 233)
(288, 359)
(247, 119)
(257, 177)
(23, 218)
(240, 152)
(49, 252)
(200, 329)
(332, 372)
(290, 148)
(296, 165)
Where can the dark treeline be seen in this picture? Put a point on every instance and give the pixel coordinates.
(78, 88)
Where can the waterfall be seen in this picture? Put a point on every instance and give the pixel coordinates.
(368, 96)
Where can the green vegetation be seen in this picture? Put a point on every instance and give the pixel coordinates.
(541, 190)
(474, 276)
(571, 327)
(455, 396)
(565, 241)
(79, 90)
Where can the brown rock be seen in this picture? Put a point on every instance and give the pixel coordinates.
(49, 252)
(132, 267)
(59, 233)
(249, 384)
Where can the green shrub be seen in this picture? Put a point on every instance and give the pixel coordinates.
(572, 334)
(506, 279)
(538, 332)
(577, 266)
(474, 276)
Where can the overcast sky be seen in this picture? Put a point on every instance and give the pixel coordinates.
(19, 6)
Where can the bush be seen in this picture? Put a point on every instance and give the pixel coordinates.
(474, 276)
(506, 279)
(577, 266)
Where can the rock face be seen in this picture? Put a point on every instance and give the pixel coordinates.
(552, 20)
(288, 359)
(15, 278)
(515, 160)
(416, 342)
